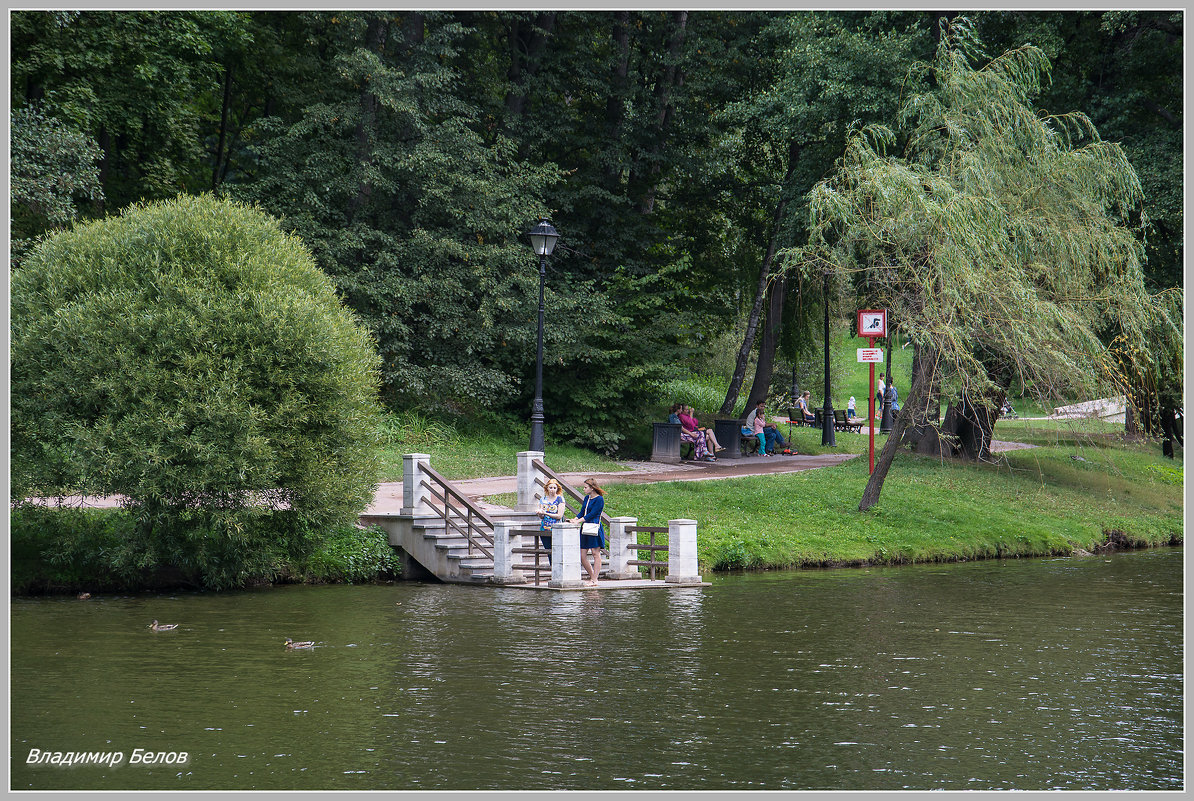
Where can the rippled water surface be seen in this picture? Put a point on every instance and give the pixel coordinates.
(1046, 673)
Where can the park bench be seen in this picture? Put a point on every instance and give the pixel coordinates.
(843, 423)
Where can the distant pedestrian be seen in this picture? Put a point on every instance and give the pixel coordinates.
(893, 394)
(590, 513)
(850, 413)
(881, 390)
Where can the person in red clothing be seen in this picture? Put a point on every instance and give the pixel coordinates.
(689, 423)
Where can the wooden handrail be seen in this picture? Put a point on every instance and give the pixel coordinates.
(577, 496)
(473, 534)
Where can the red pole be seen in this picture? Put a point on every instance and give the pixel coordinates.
(871, 409)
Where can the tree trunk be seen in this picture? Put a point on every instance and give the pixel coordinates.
(752, 322)
(761, 386)
(915, 400)
(672, 77)
(375, 37)
(527, 43)
(613, 104)
(922, 433)
(215, 170)
(972, 425)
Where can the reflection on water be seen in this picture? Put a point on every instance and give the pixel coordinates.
(1051, 673)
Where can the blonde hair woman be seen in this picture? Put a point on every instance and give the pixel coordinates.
(590, 512)
(551, 511)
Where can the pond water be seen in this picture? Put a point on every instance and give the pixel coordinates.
(1027, 674)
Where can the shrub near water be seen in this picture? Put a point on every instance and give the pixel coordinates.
(190, 356)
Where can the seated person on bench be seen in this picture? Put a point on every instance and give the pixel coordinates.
(805, 412)
(774, 439)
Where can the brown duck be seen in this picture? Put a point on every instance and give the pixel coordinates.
(292, 644)
(156, 626)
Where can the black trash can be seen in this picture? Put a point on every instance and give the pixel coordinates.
(729, 434)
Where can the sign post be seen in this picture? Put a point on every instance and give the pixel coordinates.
(872, 324)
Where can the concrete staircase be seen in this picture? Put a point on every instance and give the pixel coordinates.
(438, 549)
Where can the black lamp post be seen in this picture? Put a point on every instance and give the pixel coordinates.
(827, 437)
(543, 240)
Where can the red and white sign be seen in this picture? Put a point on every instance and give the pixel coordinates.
(870, 355)
(872, 323)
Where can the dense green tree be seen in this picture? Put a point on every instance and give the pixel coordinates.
(191, 358)
(133, 81)
(1005, 242)
(52, 170)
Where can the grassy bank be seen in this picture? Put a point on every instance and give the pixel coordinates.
(1031, 502)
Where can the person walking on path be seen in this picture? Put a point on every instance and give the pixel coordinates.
(551, 511)
(590, 512)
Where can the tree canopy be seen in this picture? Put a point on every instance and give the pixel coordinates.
(188, 356)
(674, 151)
(1005, 241)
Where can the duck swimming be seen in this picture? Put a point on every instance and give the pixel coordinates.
(163, 626)
(292, 644)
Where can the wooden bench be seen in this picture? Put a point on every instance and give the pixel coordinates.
(842, 423)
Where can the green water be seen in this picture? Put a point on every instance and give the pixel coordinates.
(1044, 673)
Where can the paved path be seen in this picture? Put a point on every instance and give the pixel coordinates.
(388, 499)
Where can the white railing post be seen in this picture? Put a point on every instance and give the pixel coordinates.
(619, 551)
(526, 480)
(414, 494)
(503, 553)
(565, 556)
(682, 552)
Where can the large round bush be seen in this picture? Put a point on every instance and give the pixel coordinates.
(190, 356)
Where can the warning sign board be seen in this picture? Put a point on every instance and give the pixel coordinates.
(870, 355)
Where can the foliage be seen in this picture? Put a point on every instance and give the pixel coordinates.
(52, 169)
(70, 549)
(410, 150)
(189, 356)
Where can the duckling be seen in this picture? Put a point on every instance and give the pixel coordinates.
(163, 626)
(292, 644)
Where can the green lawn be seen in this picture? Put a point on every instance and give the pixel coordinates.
(1030, 502)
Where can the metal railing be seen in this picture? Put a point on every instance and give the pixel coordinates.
(478, 527)
(652, 564)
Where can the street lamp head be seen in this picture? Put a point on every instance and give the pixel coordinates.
(543, 238)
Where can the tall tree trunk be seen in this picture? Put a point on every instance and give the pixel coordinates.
(375, 38)
(215, 170)
(672, 77)
(752, 321)
(620, 34)
(922, 433)
(527, 43)
(916, 398)
(768, 342)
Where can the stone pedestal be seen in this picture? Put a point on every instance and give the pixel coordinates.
(619, 552)
(503, 553)
(526, 487)
(414, 494)
(565, 556)
(682, 552)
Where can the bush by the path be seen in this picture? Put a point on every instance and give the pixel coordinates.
(190, 356)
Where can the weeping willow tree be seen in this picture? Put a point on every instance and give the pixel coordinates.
(1004, 241)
